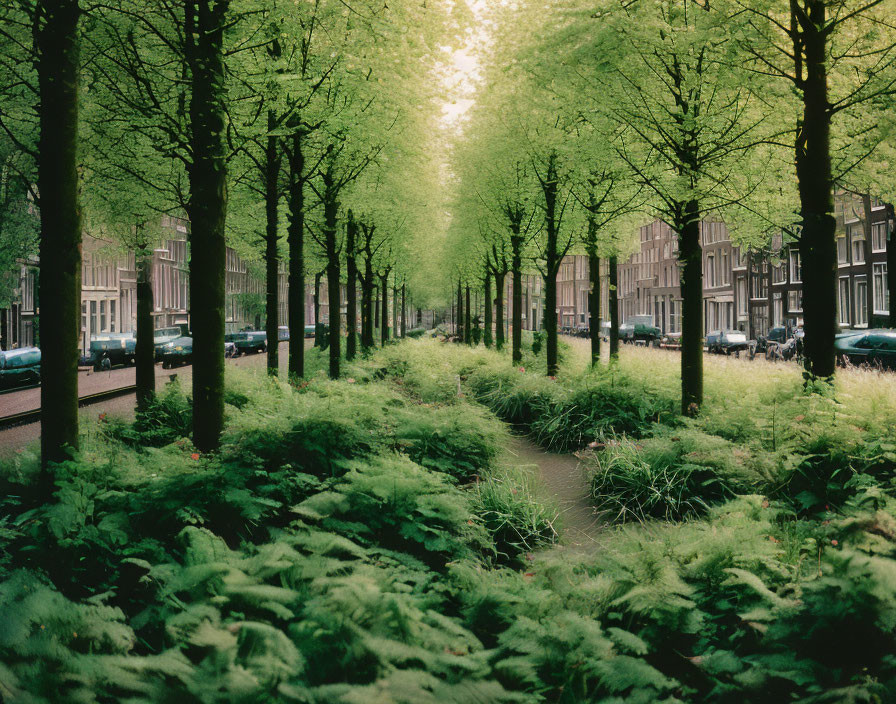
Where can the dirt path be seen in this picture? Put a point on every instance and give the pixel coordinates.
(563, 481)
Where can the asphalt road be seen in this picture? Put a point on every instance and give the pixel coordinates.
(90, 382)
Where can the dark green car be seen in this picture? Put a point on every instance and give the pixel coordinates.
(639, 327)
(872, 348)
(118, 347)
(250, 341)
(178, 351)
(19, 367)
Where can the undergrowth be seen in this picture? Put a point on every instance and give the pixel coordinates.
(356, 541)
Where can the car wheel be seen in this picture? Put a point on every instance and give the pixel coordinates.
(166, 364)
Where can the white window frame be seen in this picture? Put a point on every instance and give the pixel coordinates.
(843, 311)
(880, 274)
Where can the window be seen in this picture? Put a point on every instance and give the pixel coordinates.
(796, 270)
(778, 309)
(103, 316)
(844, 300)
(741, 296)
(879, 236)
(112, 316)
(779, 274)
(710, 271)
(795, 301)
(83, 317)
(725, 269)
(861, 300)
(93, 327)
(858, 248)
(881, 291)
(842, 251)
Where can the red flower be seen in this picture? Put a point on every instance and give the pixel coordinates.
(834, 543)
(194, 456)
(552, 378)
(529, 575)
(103, 417)
(522, 369)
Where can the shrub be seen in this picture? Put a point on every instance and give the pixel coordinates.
(593, 406)
(668, 476)
(516, 517)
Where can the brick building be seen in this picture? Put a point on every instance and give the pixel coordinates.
(109, 290)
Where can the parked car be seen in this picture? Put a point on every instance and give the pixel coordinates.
(176, 352)
(671, 341)
(229, 349)
(780, 335)
(19, 367)
(639, 327)
(117, 347)
(283, 333)
(727, 341)
(250, 341)
(163, 336)
(309, 330)
(875, 348)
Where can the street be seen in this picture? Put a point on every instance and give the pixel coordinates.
(90, 382)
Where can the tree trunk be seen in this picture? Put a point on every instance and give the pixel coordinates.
(208, 212)
(613, 305)
(516, 268)
(818, 248)
(487, 296)
(296, 240)
(384, 314)
(752, 333)
(376, 310)
(395, 312)
(145, 352)
(468, 335)
(368, 285)
(869, 260)
(271, 250)
(594, 305)
(550, 321)
(60, 237)
(404, 310)
(499, 310)
(552, 265)
(331, 213)
(891, 264)
(351, 288)
(691, 257)
(318, 326)
(459, 324)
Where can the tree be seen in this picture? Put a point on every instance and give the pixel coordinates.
(57, 48)
(683, 124)
(833, 64)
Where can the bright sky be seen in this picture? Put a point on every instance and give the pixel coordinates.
(463, 72)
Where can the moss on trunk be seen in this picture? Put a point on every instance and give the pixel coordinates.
(145, 352)
(60, 237)
(296, 239)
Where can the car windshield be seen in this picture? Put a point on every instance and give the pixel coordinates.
(640, 320)
(166, 332)
(735, 337)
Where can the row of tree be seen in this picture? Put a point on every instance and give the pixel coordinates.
(608, 114)
(228, 113)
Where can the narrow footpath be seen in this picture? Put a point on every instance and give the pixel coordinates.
(563, 480)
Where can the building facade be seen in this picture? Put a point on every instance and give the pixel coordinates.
(743, 289)
(109, 291)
